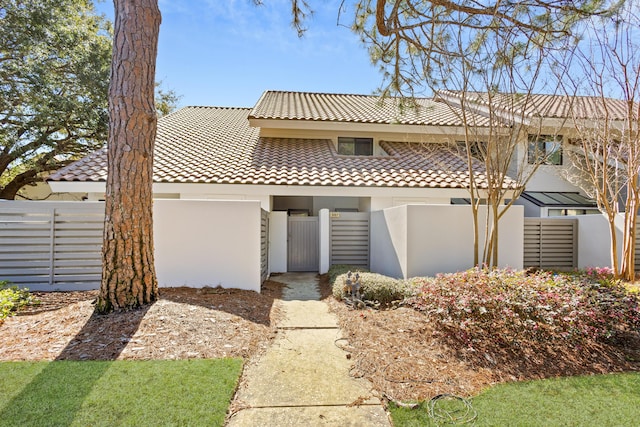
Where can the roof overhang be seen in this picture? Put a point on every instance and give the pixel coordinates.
(282, 190)
(561, 199)
(396, 128)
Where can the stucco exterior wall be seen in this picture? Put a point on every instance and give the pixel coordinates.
(388, 242)
(207, 243)
(594, 240)
(423, 240)
(278, 242)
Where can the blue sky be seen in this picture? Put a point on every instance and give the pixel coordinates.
(227, 52)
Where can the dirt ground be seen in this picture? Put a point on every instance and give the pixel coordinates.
(398, 350)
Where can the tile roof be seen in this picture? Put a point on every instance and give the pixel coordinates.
(217, 145)
(277, 105)
(549, 106)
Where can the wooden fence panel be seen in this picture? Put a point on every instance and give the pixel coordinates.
(264, 245)
(550, 243)
(51, 245)
(349, 238)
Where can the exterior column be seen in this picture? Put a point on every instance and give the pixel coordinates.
(324, 227)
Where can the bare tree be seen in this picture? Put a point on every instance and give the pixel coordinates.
(493, 93)
(486, 61)
(605, 152)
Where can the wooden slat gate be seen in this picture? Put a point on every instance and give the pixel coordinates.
(550, 243)
(264, 245)
(303, 249)
(51, 245)
(349, 238)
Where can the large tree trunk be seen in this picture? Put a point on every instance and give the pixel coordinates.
(128, 272)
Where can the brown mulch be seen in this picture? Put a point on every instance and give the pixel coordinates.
(184, 323)
(407, 358)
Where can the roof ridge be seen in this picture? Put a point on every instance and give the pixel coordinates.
(213, 107)
(318, 93)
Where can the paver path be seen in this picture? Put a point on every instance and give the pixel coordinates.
(303, 378)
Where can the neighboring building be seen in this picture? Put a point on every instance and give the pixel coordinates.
(42, 191)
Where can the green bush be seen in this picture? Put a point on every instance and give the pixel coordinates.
(12, 298)
(374, 287)
(338, 269)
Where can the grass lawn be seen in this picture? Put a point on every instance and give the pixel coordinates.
(117, 393)
(599, 400)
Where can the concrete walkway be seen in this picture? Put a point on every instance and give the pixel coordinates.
(303, 378)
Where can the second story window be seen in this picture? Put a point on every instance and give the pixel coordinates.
(355, 146)
(478, 149)
(545, 149)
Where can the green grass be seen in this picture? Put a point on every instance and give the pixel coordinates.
(117, 393)
(599, 400)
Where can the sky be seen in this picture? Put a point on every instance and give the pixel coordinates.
(228, 52)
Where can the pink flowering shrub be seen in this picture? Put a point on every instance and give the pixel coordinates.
(513, 307)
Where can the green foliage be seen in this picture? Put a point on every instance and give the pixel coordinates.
(598, 400)
(12, 299)
(166, 100)
(511, 308)
(418, 43)
(107, 393)
(373, 287)
(54, 74)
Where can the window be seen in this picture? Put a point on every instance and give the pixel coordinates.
(545, 149)
(572, 212)
(355, 146)
(478, 149)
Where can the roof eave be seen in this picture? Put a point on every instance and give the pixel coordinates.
(327, 125)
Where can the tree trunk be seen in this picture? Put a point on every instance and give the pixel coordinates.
(627, 267)
(128, 272)
(614, 245)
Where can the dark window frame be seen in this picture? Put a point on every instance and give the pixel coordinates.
(478, 149)
(538, 150)
(355, 146)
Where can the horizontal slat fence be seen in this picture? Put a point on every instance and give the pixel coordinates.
(349, 238)
(264, 245)
(550, 243)
(51, 245)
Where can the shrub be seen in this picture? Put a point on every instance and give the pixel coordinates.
(12, 298)
(512, 307)
(338, 269)
(374, 287)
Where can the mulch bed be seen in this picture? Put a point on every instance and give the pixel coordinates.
(407, 358)
(184, 323)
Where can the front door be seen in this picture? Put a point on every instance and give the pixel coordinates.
(303, 244)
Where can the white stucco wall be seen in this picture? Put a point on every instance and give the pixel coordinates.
(549, 178)
(277, 242)
(207, 243)
(388, 241)
(594, 241)
(324, 226)
(423, 240)
(531, 210)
